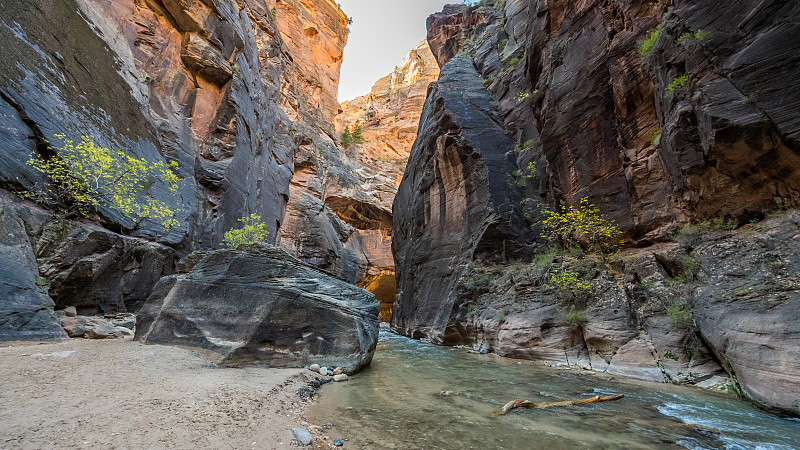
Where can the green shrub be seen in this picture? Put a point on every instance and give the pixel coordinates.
(700, 35)
(531, 169)
(655, 139)
(690, 265)
(582, 226)
(680, 315)
(253, 230)
(568, 280)
(669, 355)
(648, 44)
(542, 260)
(84, 176)
(522, 96)
(575, 318)
(676, 84)
(513, 61)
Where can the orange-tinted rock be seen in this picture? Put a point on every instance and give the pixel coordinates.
(315, 34)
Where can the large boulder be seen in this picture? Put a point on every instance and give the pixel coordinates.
(746, 308)
(26, 311)
(259, 304)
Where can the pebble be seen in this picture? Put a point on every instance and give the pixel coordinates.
(303, 436)
(331, 372)
(484, 351)
(337, 371)
(338, 442)
(340, 377)
(314, 367)
(323, 371)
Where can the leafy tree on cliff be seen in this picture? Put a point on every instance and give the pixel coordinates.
(253, 230)
(83, 176)
(582, 226)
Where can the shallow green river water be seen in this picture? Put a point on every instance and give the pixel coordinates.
(396, 403)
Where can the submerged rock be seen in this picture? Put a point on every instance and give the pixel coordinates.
(261, 305)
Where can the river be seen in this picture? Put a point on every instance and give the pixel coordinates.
(396, 403)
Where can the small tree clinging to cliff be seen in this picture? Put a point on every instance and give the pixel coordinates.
(582, 226)
(253, 231)
(84, 176)
(353, 137)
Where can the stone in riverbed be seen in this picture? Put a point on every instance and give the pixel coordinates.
(261, 305)
(323, 371)
(303, 436)
(314, 367)
(338, 442)
(70, 311)
(340, 377)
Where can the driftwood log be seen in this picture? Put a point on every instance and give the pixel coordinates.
(525, 404)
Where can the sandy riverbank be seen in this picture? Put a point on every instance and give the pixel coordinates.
(125, 395)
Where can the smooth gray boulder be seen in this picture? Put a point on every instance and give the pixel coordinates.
(26, 311)
(260, 305)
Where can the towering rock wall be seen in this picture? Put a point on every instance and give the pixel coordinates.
(210, 85)
(654, 150)
(389, 116)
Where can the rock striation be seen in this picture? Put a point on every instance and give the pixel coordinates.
(657, 139)
(261, 305)
(241, 94)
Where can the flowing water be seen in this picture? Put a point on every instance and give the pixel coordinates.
(397, 403)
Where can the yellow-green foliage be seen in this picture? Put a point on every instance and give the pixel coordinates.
(655, 139)
(531, 169)
(568, 280)
(647, 44)
(84, 176)
(700, 35)
(253, 230)
(677, 83)
(582, 226)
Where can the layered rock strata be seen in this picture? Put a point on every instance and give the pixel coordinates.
(240, 93)
(339, 214)
(261, 305)
(656, 138)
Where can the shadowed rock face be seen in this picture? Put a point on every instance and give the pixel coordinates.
(455, 200)
(746, 307)
(389, 115)
(212, 86)
(566, 81)
(260, 305)
(26, 311)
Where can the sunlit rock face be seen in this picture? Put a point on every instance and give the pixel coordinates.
(389, 116)
(212, 86)
(315, 33)
(701, 129)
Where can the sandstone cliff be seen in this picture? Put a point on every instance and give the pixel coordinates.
(389, 116)
(242, 105)
(702, 126)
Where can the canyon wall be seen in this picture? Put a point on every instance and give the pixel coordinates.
(541, 104)
(389, 116)
(240, 94)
